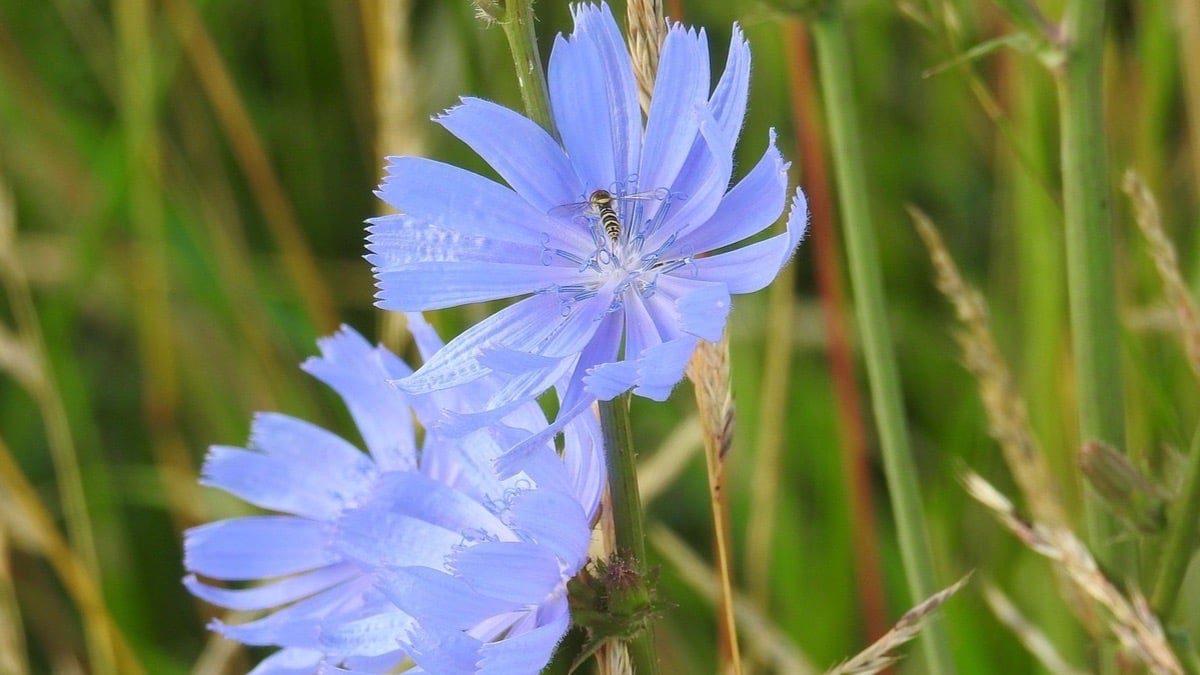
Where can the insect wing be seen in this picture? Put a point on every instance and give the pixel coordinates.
(568, 210)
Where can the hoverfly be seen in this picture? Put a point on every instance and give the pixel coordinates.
(602, 205)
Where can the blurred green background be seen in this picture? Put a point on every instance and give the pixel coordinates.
(184, 187)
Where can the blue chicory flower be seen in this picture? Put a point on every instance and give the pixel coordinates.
(619, 290)
(408, 554)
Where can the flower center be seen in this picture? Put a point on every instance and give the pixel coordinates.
(618, 258)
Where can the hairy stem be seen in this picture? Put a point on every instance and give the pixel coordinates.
(531, 78)
(626, 505)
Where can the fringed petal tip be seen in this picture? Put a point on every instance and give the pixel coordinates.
(797, 225)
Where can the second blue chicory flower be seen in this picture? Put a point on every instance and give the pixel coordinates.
(414, 553)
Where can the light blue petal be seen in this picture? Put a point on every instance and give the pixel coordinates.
(662, 367)
(583, 457)
(417, 496)
(445, 652)
(702, 180)
(599, 26)
(295, 440)
(453, 199)
(438, 597)
(415, 521)
(530, 572)
(529, 651)
(544, 468)
(752, 267)
(398, 241)
(272, 594)
(706, 173)
(458, 362)
(290, 661)
(463, 463)
(371, 636)
(602, 348)
(609, 380)
(373, 538)
(523, 387)
(440, 285)
(702, 307)
(257, 547)
(728, 102)
(374, 665)
(535, 325)
(750, 207)
(680, 86)
(301, 624)
(593, 98)
(524, 155)
(513, 461)
(642, 330)
(317, 488)
(532, 462)
(360, 374)
(266, 633)
(554, 520)
(427, 340)
(455, 425)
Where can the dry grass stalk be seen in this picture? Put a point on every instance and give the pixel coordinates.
(1008, 420)
(1007, 417)
(773, 645)
(709, 372)
(1130, 621)
(30, 526)
(12, 634)
(1034, 639)
(709, 367)
(98, 628)
(1163, 253)
(879, 655)
(647, 30)
(613, 658)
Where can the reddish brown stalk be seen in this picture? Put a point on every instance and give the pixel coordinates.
(675, 10)
(810, 150)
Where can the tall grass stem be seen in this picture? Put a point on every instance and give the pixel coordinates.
(834, 65)
(1089, 242)
(1180, 548)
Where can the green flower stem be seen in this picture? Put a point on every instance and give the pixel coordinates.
(531, 78)
(1091, 289)
(1184, 523)
(833, 55)
(628, 532)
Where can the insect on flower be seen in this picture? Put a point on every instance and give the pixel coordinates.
(601, 207)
